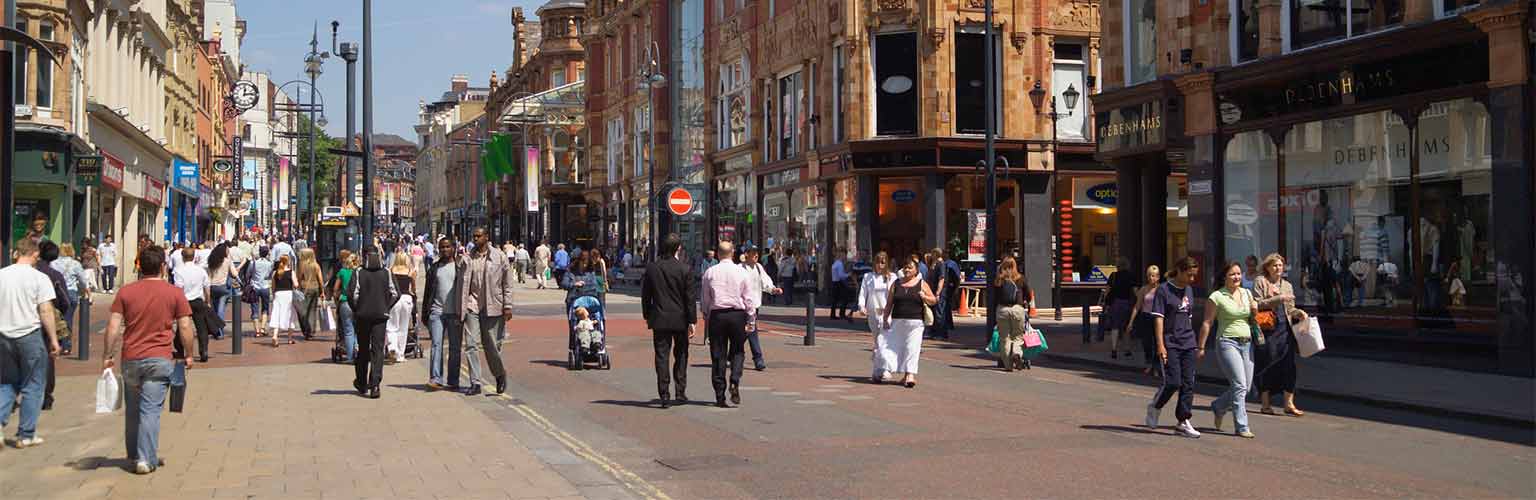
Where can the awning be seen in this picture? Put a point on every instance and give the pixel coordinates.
(563, 105)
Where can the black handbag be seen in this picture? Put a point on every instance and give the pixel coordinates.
(178, 387)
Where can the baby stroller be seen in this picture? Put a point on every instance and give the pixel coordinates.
(412, 346)
(597, 351)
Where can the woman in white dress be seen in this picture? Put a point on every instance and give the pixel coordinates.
(873, 292)
(904, 312)
(399, 323)
(285, 301)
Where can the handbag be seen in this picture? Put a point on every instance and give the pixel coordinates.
(1033, 338)
(996, 345)
(1035, 351)
(927, 315)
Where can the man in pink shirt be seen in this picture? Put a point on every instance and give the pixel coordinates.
(729, 301)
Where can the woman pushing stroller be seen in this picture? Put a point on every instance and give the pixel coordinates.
(584, 286)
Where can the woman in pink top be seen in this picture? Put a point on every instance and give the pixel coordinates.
(1141, 320)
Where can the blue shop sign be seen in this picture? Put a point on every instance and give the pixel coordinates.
(903, 196)
(1105, 193)
(185, 177)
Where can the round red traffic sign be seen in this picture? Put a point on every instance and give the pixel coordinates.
(680, 201)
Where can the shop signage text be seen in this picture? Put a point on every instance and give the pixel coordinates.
(185, 178)
(88, 168)
(1105, 193)
(1437, 68)
(1365, 154)
(1131, 127)
(112, 171)
(154, 190)
(903, 196)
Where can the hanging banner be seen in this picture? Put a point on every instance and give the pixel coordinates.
(531, 178)
(976, 228)
(184, 177)
(282, 184)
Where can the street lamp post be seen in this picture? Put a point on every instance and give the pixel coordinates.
(1037, 94)
(312, 67)
(650, 80)
(348, 53)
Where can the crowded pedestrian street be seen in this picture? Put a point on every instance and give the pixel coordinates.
(285, 423)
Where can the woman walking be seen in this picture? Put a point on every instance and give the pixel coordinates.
(260, 278)
(1119, 299)
(1276, 360)
(1141, 319)
(309, 278)
(91, 260)
(874, 291)
(904, 315)
(1173, 326)
(340, 285)
(400, 313)
(78, 283)
(1231, 307)
(285, 301)
(218, 285)
(1012, 314)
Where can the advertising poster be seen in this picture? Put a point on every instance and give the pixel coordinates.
(282, 184)
(976, 228)
(531, 179)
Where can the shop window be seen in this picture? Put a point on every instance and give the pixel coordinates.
(1140, 41)
(845, 217)
(896, 97)
(1315, 22)
(1453, 7)
(901, 219)
(970, 76)
(790, 92)
(1245, 30)
(734, 208)
(1069, 71)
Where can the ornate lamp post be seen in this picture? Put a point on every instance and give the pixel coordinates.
(1037, 94)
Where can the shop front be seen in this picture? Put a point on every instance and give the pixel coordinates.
(734, 201)
(45, 182)
(181, 209)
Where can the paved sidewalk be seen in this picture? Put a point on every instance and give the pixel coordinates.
(295, 431)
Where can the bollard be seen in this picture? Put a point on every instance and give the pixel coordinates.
(810, 315)
(234, 317)
(1086, 320)
(83, 334)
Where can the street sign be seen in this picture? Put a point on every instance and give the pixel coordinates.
(88, 168)
(680, 201)
(223, 165)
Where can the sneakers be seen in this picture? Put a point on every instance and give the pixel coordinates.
(1245, 434)
(1152, 414)
(1219, 417)
(29, 442)
(141, 467)
(1186, 429)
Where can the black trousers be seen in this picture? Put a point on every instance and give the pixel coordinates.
(1178, 375)
(453, 331)
(200, 314)
(727, 341)
(368, 366)
(671, 344)
(841, 299)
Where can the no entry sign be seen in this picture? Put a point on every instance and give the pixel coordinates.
(680, 201)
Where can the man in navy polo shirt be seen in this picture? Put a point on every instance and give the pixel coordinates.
(1174, 327)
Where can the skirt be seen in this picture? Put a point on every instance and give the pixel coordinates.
(285, 310)
(399, 324)
(905, 339)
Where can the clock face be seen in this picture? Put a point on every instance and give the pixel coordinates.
(245, 95)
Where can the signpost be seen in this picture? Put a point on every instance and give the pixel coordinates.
(243, 96)
(680, 201)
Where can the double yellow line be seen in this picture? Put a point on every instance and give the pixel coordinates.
(630, 480)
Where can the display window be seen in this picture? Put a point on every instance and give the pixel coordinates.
(966, 219)
(1088, 228)
(845, 220)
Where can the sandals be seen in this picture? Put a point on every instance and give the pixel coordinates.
(1295, 412)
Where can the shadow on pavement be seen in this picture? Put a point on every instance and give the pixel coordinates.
(414, 387)
(559, 363)
(333, 392)
(652, 403)
(849, 378)
(93, 463)
(1122, 429)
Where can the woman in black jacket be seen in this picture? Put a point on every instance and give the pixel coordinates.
(373, 294)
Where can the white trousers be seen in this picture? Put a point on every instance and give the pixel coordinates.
(399, 325)
(905, 339)
(882, 357)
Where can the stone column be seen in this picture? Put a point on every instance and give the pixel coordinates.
(934, 211)
(1128, 214)
(867, 213)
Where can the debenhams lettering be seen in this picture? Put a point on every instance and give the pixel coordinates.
(1118, 129)
(1345, 84)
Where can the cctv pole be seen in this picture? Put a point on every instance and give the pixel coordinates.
(367, 121)
(349, 54)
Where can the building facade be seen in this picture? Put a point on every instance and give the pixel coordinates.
(267, 169)
(444, 131)
(51, 127)
(1376, 146)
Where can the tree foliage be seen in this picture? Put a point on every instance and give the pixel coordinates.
(328, 174)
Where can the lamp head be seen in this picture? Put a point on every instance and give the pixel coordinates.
(1071, 96)
(321, 121)
(1037, 95)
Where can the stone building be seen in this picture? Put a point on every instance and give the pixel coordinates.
(441, 180)
(1376, 146)
(51, 131)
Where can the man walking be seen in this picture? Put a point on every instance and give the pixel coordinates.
(840, 293)
(521, 258)
(107, 252)
(440, 305)
(541, 262)
(140, 330)
(562, 263)
(730, 301)
(27, 338)
(487, 299)
(193, 281)
(667, 300)
(373, 294)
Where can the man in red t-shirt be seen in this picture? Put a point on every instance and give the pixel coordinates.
(149, 308)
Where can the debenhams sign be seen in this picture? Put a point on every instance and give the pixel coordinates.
(1130, 127)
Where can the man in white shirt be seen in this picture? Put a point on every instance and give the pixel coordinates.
(762, 281)
(107, 251)
(193, 281)
(729, 299)
(283, 249)
(27, 321)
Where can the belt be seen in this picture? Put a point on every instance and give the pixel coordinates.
(718, 311)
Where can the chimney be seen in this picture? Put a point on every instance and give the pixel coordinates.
(493, 81)
(460, 84)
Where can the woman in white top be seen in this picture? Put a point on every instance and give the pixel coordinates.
(400, 314)
(760, 281)
(873, 292)
(787, 273)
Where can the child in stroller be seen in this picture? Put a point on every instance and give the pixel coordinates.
(587, 339)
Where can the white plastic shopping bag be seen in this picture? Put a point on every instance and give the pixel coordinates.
(108, 398)
(1309, 337)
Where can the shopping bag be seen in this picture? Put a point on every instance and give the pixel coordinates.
(108, 397)
(327, 316)
(1309, 337)
(996, 344)
(1035, 351)
(178, 387)
(1032, 338)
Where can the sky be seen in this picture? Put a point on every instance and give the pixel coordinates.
(421, 45)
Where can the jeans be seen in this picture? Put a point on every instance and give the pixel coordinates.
(263, 303)
(307, 311)
(146, 382)
(108, 277)
(1236, 360)
(757, 349)
(435, 324)
(29, 353)
(1178, 375)
(348, 329)
(218, 300)
(480, 333)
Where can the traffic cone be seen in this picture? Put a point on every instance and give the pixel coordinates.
(965, 309)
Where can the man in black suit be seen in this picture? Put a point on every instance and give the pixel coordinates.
(670, 304)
